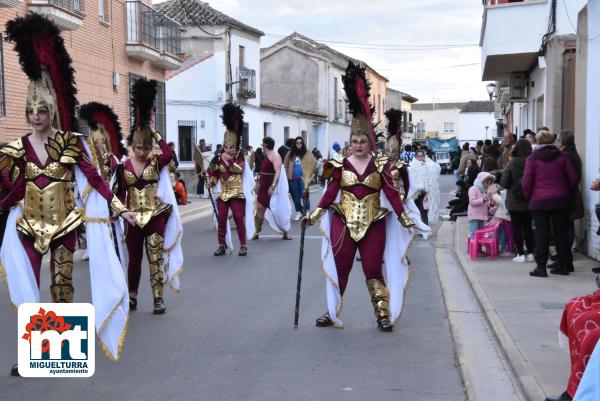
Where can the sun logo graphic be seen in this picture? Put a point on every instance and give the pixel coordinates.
(56, 340)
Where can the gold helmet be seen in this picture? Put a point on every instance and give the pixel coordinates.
(233, 119)
(394, 128)
(143, 95)
(357, 89)
(48, 66)
(105, 128)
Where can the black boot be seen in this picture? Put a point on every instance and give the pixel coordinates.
(220, 251)
(132, 303)
(560, 271)
(563, 397)
(14, 370)
(537, 272)
(243, 251)
(159, 306)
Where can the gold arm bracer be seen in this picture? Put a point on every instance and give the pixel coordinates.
(316, 214)
(236, 169)
(117, 206)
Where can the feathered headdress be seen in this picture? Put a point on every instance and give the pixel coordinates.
(143, 95)
(45, 60)
(357, 89)
(394, 128)
(233, 119)
(105, 126)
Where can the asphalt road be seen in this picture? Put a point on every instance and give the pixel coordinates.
(229, 336)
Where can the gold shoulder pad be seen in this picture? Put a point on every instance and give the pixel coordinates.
(400, 164)
(14, 149)
(63, 147)
(336, 162)
(381, 160)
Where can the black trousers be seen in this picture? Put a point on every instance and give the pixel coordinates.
(558, 221)
(522, 230)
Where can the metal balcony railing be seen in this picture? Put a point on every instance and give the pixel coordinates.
(70, 5)
(169, 36)
(141, 24)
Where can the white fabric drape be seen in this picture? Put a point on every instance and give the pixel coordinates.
(425, 176)
(172, 252)
(110, 295)
(248, 185)
(279, 213)
(18, 273)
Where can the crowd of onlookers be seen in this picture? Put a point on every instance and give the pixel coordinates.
(528, 188)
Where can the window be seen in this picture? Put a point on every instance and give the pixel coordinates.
(245, 135)
(421, 126)
(185, 134)
(286, 133)
(104, 11)
(2, 89)
(160, 120)
(266, 129)
(242, 54)
(448, 127)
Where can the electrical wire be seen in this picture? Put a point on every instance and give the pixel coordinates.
(573, 26)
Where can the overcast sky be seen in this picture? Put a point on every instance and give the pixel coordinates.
(406, 41)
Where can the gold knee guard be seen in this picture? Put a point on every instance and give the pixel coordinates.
(154, 251)
(61, 287)
(258, 223)
(380, 298)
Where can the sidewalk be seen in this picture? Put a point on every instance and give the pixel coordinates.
(524, 313)
(196, 207)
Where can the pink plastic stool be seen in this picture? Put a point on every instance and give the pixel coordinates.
(487, 237)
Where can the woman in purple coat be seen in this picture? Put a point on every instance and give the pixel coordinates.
(548, 181)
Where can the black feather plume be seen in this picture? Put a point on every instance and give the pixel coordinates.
(94, 113)
(394, 117)
(357, 90)
(233, 119)
(143, 95)
(39, 45)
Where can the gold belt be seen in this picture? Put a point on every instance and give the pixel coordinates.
(49, 213)
(359, 214)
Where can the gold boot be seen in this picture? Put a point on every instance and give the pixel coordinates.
(61, 288)
(154, 251)
(258, 223)
(380, 298)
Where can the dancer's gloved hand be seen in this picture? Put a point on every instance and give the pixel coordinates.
(305, 221)
(130, 217)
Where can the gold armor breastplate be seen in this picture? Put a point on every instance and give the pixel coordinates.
(145, 203)
(359, 214)
(232, 188)
(49, 213)
(54, 170)
(349, 178)
(149, 173)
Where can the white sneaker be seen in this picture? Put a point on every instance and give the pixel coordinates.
(298, 216)
(519, 259)
(531, 257)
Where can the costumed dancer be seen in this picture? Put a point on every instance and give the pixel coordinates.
(358, 217)
(272, 201)
(143, 184)
(232, 179)
(425, 187)
(106, 144)
(47, 164)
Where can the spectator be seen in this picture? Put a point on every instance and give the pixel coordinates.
(258, 159)
(459, 205)
(347, 151)
(219, 149)
(479, 202)
(548, 180)
(565, 142)
(199, 168)
(471, 173)
(175, 158)
(335, 152)
(407, 154)
(508, 142)
(517, 204)
(300, 166)
(455, 163)
(479, 148)
(501, 216)
(285, 148)
(467, 154)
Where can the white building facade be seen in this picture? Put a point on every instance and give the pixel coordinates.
(436, 120)
(477, 122)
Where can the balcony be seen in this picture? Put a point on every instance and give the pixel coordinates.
(66, 14)
(247, 83)
(511, 36)
(152, 36)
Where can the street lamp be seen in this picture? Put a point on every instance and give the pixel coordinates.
(491, 88)
(486, 128)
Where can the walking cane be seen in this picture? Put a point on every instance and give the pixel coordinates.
(300, 259)
(212, 201)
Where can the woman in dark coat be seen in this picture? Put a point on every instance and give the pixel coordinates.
(517, 204)
(548, 181)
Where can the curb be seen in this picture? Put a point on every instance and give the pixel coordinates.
(195, 211)
(520, 367)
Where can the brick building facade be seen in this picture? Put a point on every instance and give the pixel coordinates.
(111, 44)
